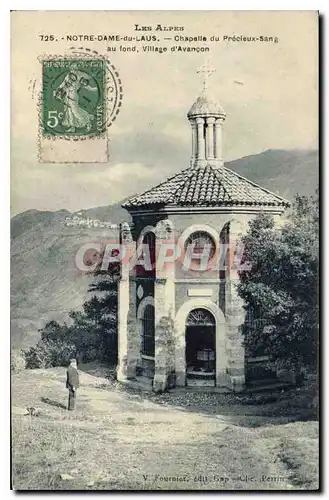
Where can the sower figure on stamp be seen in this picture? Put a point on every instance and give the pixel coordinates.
(68, 92)
(72, 383)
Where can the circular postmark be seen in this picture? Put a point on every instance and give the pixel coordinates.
(81, 95)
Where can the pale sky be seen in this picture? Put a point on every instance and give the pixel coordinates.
(275, 108)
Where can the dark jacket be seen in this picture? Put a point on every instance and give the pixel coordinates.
(72, 378)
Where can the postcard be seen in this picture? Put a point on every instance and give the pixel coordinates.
(164, 250)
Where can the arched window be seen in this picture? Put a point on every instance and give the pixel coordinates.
(148, 328)
(200, 241)
(149, 242)
(200, 317)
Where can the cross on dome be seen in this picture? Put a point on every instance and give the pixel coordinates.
(206, 71)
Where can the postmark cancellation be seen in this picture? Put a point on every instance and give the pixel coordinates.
(80, 97)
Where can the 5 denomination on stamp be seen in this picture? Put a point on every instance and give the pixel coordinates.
(73, 92)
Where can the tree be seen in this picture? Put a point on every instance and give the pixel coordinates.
(94, 329)
(102, 311)
(280, 288)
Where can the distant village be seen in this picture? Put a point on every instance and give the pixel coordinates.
(79, 220)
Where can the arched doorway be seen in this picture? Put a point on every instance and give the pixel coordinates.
(200, 346)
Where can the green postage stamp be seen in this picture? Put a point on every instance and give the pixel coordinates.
(80, 97)
(73, 97)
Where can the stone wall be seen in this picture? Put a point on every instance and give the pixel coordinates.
(176, 293)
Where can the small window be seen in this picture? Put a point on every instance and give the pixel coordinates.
(148, 326)
(199, 241)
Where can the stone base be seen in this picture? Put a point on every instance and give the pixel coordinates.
(160, 383)
(147, 384)
(121, 373)
(163, 381)
(198, 162)
(215, 162)
(126, 371)
(237, 383)
(180, 379)
(222, 380)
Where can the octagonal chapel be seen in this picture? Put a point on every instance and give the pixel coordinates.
(179, 322)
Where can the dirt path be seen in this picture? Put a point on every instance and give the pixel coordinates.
(116, 440)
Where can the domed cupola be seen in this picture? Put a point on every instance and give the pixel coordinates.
(206, 117)
(204, 106)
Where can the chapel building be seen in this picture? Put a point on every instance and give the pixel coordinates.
(180, 324)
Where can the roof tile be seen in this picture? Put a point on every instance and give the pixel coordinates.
(206, 186)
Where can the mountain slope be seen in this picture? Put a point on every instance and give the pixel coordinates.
(45, 280)
(46, 283)
(283, 172)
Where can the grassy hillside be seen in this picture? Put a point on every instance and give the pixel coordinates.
(46, 283)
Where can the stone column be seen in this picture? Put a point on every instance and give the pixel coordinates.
(164, 312)
(201, 142)
(234, 340)
(210, 138)
(222, 378)
(218, 139)
(235, 316)
(133, 337)
(126, 368)
(123, 309)
(194, 138)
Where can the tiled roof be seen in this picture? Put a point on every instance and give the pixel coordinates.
(206, 186)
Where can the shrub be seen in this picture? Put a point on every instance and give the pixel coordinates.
(55, 347)
(17, 361)
(34, 357)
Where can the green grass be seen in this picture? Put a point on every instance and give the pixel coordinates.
(123, 439)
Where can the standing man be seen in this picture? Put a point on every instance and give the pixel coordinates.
(72, 383)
